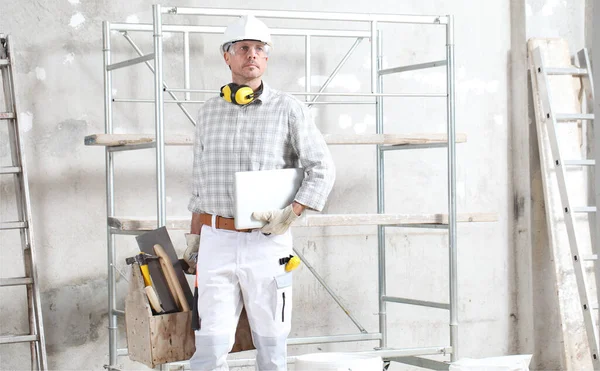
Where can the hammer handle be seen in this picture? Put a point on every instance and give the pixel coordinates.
(146, 275)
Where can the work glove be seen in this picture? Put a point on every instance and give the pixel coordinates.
(190, 256)
(278, 221)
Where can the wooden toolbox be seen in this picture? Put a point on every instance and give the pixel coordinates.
(155, 339)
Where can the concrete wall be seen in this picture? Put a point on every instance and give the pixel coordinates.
(59, 77)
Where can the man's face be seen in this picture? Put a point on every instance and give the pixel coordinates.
(247, 60)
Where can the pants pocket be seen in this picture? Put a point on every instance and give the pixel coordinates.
(282, 308)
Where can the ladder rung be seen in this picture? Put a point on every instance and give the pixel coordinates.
(3, 62)
(584, 209)
(18, 339)
(15, 281)
(567, 71)
(574, 116)
(580, 162)
(7, 115)
(590, 257)
(13, 225)
(10, 170)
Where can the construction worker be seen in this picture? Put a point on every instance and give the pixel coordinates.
(250, 127)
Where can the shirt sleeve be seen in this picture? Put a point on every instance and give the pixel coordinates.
(314, 156)
(194, 204)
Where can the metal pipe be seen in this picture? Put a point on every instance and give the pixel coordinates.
(110, 199)
(573, 116)
(331, 16)
(329, 290)
(132, 147)
(144, 27)
(413, 67)
(567, 71)
(130, 62)
(161, 196)
(307, 72)
(422, 303)
(186, 63)
(452, 190)
(181, 90)
(378, 55)
(398, 147)
(333, 339)
(335, 71)
(132, 100)
(375, 66)
(397, 95)
(127, 233)
(423, 226)
(179, 103)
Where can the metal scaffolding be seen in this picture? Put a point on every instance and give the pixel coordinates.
(384, 143)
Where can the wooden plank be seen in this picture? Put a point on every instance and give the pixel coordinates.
(387, 219)
(113, 140)
(392, 139)
(568, 337)
(142, 224)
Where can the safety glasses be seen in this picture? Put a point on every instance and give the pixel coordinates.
(244, 49)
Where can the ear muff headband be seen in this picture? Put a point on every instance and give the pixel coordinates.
(238, 94)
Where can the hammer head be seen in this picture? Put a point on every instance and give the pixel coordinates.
(141, 258)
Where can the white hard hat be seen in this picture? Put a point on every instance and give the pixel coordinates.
(247, 27)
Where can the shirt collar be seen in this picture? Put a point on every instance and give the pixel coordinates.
(266, 93)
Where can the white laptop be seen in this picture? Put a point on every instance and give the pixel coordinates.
(263, 190)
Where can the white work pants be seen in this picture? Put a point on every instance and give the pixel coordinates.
(235, 267)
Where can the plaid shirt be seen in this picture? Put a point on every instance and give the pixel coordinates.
(275, 131)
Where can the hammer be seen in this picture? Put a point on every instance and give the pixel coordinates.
(142, 260)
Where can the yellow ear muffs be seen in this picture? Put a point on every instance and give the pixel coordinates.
(238, 94)
(244, 95)
(226, 92)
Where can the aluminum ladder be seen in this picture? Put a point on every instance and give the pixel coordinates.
(583, 256)
(10, 116)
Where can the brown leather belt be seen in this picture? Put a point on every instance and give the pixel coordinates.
(221, 223)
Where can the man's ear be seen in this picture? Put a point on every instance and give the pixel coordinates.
(226, 57)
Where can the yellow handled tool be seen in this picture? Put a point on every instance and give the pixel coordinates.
(291, 262)
(142, 260)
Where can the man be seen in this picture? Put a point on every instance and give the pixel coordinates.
(248, 129)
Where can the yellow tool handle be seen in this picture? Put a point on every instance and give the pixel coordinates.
(146, 275)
